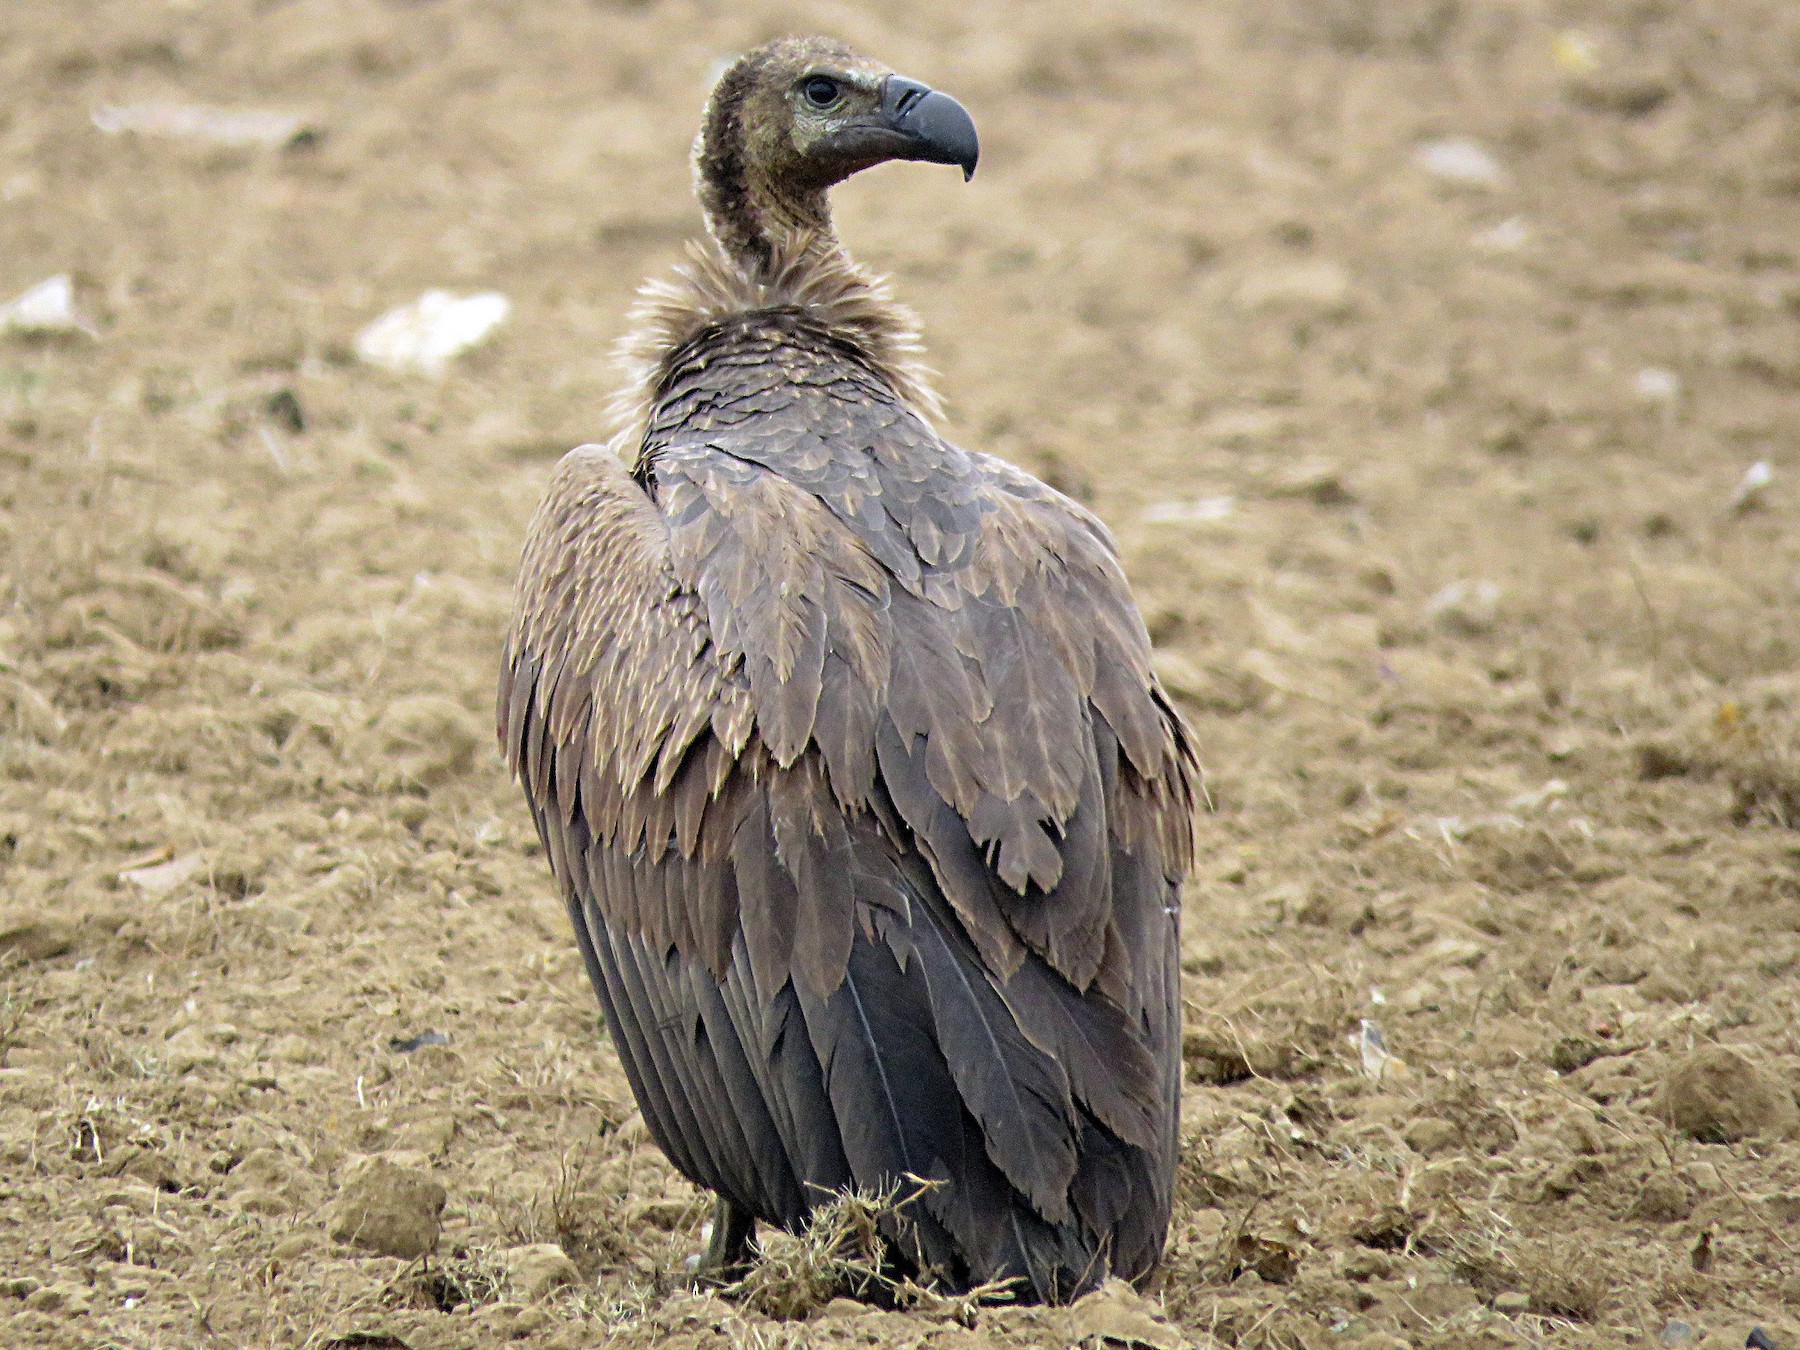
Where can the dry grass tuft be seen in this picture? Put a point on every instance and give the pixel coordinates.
(845, 1252)
(842, 1252)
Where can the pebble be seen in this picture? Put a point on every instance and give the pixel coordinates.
(63, 1296)
(529, 1320)
(1430, 1135)
(394, 1211)
(293, 1247)
(430, 1135)
(1116, 1314)
(1653, 384)
(1461, 160)
(1749, 491)
(1662, 1199)
(1466, 608)
(35, 935)
(1717, 1095)
(424, 337)
(1322, 289)
(268, 1182)
(1364, 1264)
(1512, 1302)
(46, 308)
(236, 127)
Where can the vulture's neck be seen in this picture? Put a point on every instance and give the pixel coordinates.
(774, 250)
(751, 214)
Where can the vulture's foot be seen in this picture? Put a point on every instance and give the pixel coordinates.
(726, 1259)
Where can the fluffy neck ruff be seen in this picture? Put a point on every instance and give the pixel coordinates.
(805, 273)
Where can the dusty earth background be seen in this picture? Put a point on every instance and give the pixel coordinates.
(1494, 676)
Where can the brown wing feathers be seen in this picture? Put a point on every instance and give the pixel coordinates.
(845, 749)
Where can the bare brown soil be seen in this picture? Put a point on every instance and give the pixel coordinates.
(1496, 683)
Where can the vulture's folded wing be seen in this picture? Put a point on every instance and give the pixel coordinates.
(871, 820)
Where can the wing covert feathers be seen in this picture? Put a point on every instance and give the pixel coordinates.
(845, 748)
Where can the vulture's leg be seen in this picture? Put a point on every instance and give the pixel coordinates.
(727, 1255)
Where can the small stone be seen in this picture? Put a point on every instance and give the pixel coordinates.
(667, 1214)
(414, 1159)
(160, 879)
(1461, 160)
(1321, 289)
(1662, 1199)
(394, 1211)
(269, 1182)
(430, 1135)
(1569, 1176)
(1364, 1264)
(1575, 1052)
(63, 1296)
(1430, 1135)
(151, 1166)
(1465, 608)
(292, 1248)
(1783, 1207)
(1580, 1135)
(539, 1268)
(256, 1200)
(406, 1045)
(1717, 1095)
(1512, 1303)
(529, 1320)
(1653, 384)
(137, 1199)
(189, 1052)
(1116, 1314)
(35, 935)
(20, 1286)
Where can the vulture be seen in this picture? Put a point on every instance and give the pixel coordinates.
(845, 749)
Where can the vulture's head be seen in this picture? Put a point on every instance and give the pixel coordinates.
(792, 118)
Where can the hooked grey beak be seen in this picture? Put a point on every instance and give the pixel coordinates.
(932, 127)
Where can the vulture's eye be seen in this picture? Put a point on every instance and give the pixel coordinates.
(821, 91)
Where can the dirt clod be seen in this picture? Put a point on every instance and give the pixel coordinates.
(394, 1211)
(1662, 1198)
(63, 1296)
(539, 1268)
(1117, 1315)
(1429, 1135)
(34, 935)
(1718, 1095)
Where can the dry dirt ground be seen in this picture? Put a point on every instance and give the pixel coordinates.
(1431, 482)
